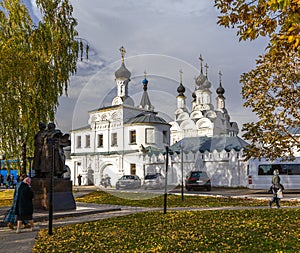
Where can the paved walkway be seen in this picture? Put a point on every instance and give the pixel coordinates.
(10, 242)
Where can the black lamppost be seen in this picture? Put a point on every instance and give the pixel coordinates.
(144, 151)
(51, 144)
(166, 180)
(181, 153)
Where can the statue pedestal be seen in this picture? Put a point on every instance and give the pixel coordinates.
(63, 198)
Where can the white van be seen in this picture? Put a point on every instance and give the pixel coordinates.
(260, 173)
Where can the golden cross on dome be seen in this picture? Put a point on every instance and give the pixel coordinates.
(201, 62)
(206, 69)
(180, 72)
(123, 52)
(145, 74)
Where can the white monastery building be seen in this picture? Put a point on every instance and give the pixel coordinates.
(125, 138)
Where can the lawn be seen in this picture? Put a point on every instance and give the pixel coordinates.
(256, 230)
(6, 197)
(156, 200)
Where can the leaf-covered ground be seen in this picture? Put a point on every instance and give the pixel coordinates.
(258, 230)
(252, 230)
(6, 197)
(155, 200)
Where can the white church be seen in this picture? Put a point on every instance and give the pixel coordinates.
(125, 138)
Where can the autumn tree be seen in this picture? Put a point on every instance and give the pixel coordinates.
(271, 89)
(36, 62)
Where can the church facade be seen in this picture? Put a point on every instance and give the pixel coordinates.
(125, 138)
(206, 136)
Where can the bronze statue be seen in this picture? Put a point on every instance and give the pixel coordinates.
(49, 153)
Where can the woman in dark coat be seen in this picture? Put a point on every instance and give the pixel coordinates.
(24, 204)
(11, 218)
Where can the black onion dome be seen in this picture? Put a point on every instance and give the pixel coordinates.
(220, 90)
(123, 72)
(180, 89)
(194, 96)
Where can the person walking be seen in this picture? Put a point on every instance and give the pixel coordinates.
(79, 179)
(12, 181)
(8, 180)
(276, 189)
(1, 179)
(24, 205)
(11, 217)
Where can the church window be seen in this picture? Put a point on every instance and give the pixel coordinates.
(104, 117)
(237, 155)
(78, 142)
(132, 137)
(87, 141)
(114, 116)
(132, 169)
(100, 141)
(114, 139)
(150, 135)
(228, 155)
(165, 137)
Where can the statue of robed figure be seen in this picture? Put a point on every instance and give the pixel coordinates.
(49, 152)
(49, 160)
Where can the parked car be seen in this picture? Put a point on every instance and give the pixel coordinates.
(129, 182)
(197, 180)
(154, 181)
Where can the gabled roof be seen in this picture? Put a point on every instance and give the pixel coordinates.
(202, 144)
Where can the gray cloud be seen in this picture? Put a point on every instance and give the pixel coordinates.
(179, 29)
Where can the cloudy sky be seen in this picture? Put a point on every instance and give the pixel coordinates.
(160, 37)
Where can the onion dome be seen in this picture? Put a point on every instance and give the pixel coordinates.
(123, 72)
(220, 90)
(181, 89)
(194, 96)
(145, 83)
(200, 79)
(206, 84)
